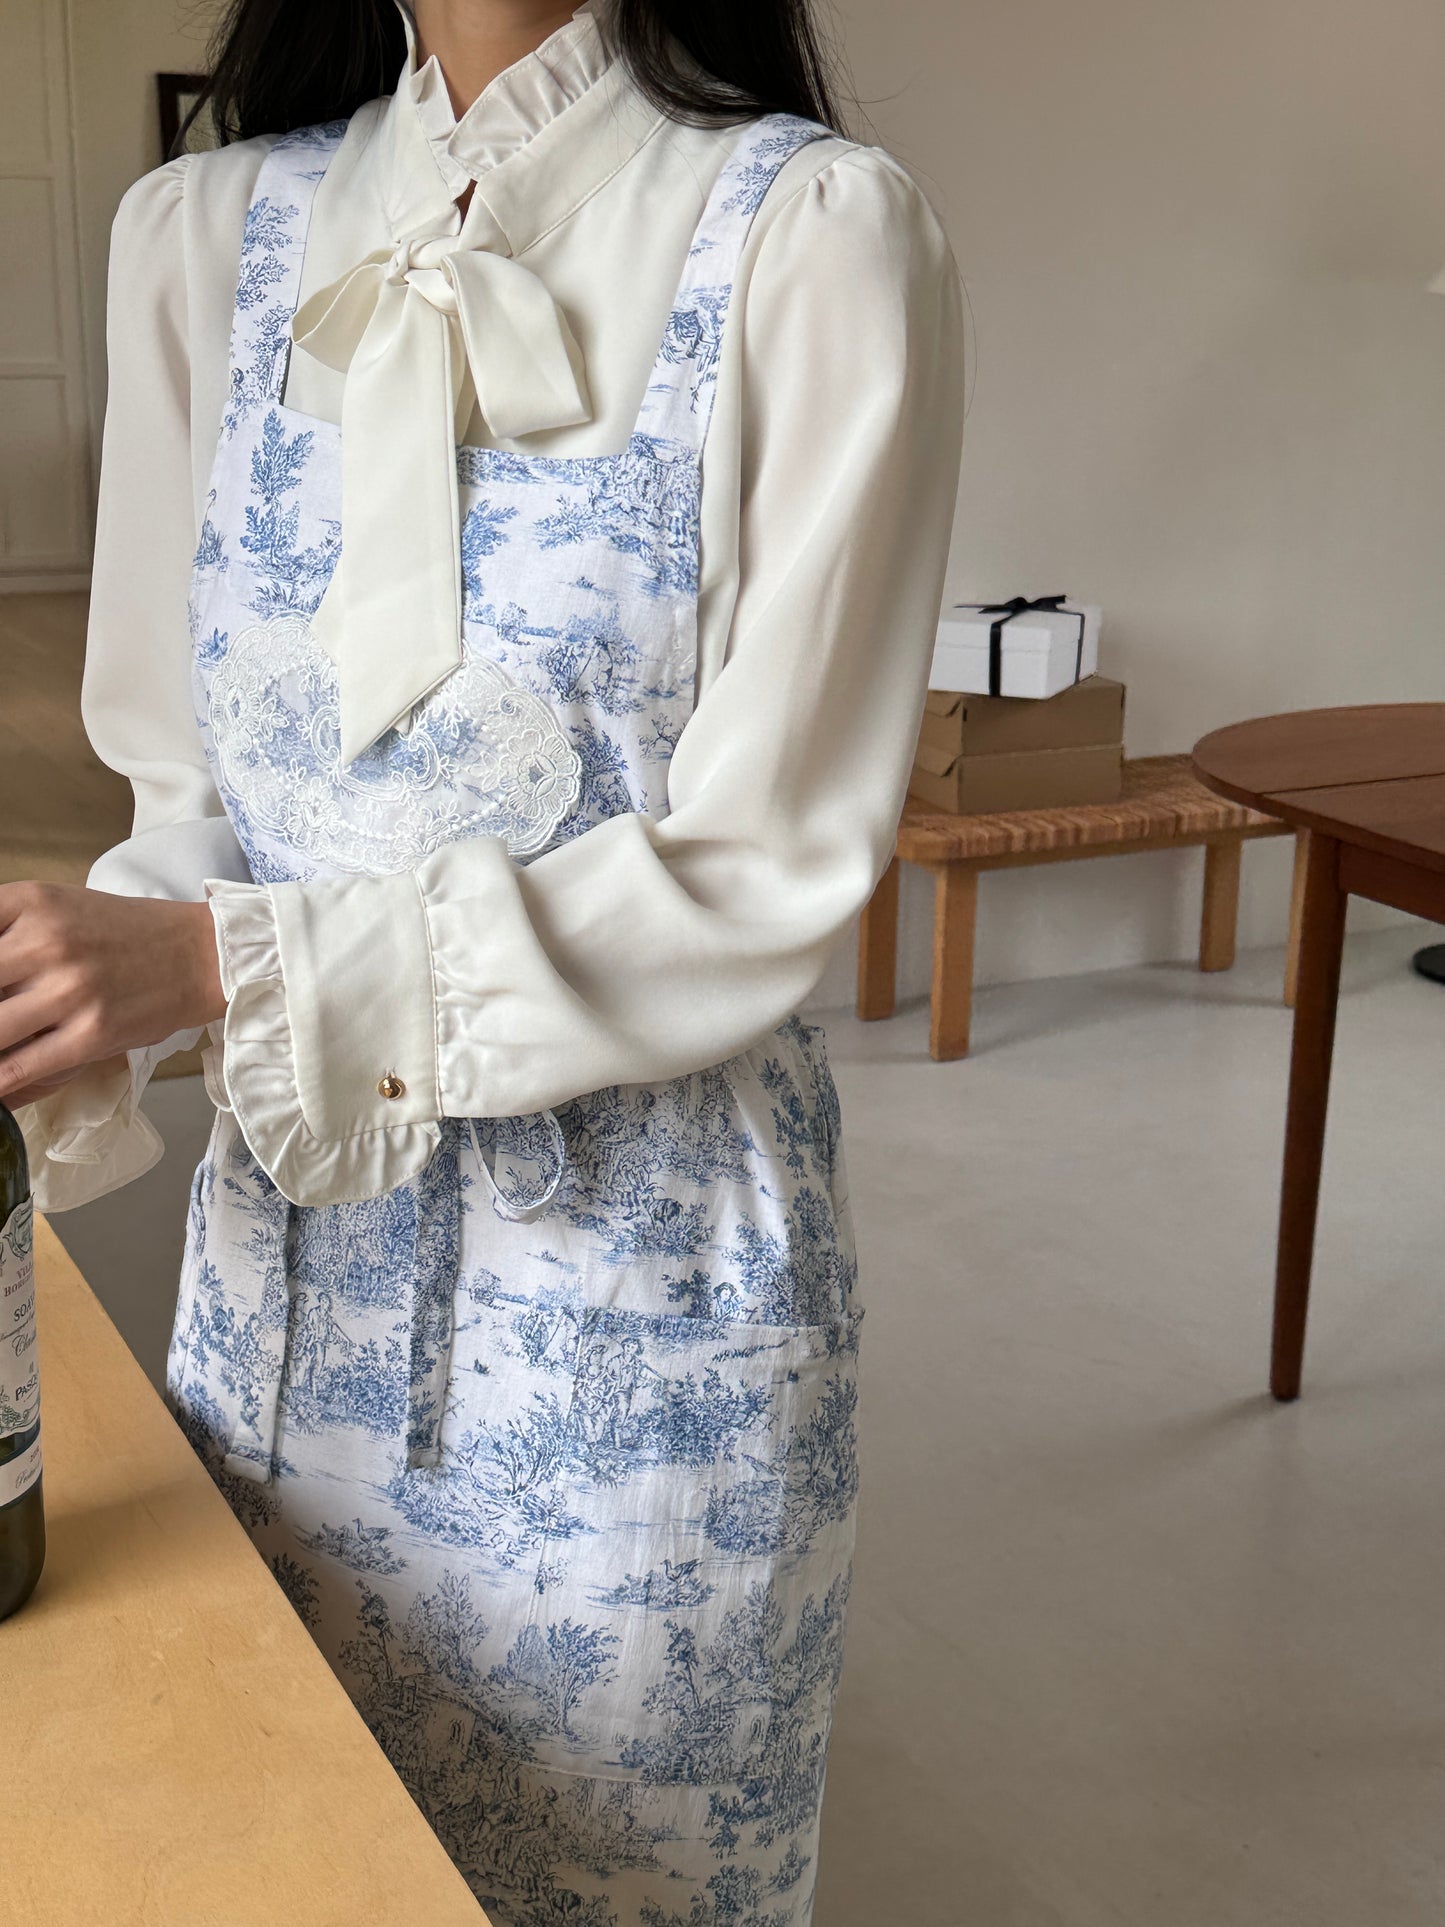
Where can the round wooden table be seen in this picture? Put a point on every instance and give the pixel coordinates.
(1366, 789)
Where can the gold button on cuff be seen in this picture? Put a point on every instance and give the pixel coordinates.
(391, 1086)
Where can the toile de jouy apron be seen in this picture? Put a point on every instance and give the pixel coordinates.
(552, 1447)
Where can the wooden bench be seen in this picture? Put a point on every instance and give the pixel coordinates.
(1163, 807)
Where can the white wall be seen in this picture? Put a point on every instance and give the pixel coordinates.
(117, 49)
(1210, 386)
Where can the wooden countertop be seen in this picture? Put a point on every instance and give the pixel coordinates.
(180, 1754)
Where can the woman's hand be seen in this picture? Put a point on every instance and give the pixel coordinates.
(86, 976)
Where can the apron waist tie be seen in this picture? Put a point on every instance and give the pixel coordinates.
(523, 1161)
(436, 1266)
(259, 1409)
(259, 1341)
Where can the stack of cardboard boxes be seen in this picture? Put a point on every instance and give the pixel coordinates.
(980, 753)
(1050, 731)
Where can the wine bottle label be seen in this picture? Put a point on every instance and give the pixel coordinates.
(17, 1475)
(19, 1370)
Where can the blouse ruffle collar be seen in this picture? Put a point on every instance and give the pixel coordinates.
(513, 108)
(446, 317)
(508, 113)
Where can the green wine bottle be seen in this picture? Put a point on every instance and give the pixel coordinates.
(22, 1513)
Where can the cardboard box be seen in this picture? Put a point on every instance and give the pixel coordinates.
(1033, 779)
(1083, 716)
(1039, 652)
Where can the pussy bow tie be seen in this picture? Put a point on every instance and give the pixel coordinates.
(422, 333)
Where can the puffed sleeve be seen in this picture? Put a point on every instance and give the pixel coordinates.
(90, 1137)
(645, 949)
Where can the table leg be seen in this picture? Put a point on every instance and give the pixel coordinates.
(878, 948)
(1296, 912)
(1322, 931)
(955, 903)
(1220, 920)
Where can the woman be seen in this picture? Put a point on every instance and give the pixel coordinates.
(558, 456)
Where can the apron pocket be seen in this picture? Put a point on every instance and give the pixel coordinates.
(493, 1493)
(694, 1574)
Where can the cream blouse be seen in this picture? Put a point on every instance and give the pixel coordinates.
(642, 949)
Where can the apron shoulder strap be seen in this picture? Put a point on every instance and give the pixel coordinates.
(678, 403)
(273, 249)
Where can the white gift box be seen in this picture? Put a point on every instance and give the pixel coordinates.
(1011, 649)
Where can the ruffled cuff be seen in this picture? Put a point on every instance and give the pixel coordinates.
(329, 1042)
(511, 1037)
(91, 1137)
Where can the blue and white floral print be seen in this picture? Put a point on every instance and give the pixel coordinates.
(273, 237)
(580, 582)
(552, 1449)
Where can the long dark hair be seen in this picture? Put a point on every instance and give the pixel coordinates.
(279, 64)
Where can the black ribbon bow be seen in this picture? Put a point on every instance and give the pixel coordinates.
(1005, 612)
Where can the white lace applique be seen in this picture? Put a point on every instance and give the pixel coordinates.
(482, 756)
(579, 578)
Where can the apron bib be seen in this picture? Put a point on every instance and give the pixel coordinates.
(552, 1448)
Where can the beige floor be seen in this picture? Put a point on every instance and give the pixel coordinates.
(1130, 1646)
